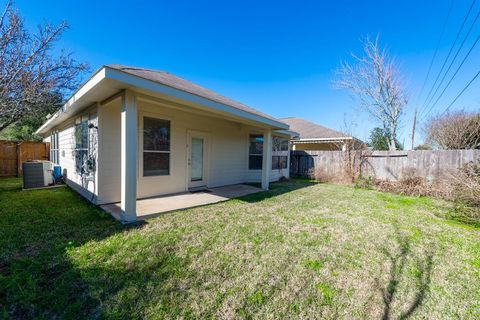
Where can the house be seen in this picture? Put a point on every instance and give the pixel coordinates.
(131, 133)
(312, 136)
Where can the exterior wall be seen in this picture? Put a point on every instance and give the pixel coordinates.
(228, 144)
(227, 157)
(275, 174)
(227, 151)
(85, 185)
(109, 161)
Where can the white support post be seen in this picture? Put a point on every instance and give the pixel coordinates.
(99, 155)
(129, 151)
(267, 158)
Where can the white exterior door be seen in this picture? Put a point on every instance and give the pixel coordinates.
(197, 160)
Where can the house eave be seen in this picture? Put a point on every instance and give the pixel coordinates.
(117, 80)
(74, 103)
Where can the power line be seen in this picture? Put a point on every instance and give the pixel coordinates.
(453, 45)
(461, 92)
(436, 49)
(453, 76)
(426, 104)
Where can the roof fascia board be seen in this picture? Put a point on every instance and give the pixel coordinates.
(66, 108)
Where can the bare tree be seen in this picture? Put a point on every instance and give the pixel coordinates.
(454, 130)
(354, 151)
(31, 77)
(374, 80)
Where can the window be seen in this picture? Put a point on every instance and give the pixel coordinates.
(54, 148)
(255, 153)
(156, 147)
(81, 144)
(279, 162)
(279, 144)
(279, 153)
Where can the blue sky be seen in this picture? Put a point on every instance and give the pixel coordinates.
(276, 56)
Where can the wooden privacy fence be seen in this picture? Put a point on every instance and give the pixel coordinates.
(383, 165)
(13, 153)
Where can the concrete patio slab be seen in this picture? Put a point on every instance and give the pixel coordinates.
(150, 207)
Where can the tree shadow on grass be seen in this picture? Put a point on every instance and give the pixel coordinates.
(37, 229)
(131, 289)
(276, 189)
(399, 260)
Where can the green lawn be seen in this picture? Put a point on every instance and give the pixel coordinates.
(302, 250)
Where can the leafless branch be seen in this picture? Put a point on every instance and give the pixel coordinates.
(374, 80)
(31, 76)
(454, 130)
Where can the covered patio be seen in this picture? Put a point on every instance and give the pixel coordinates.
(151, 207)
(139, 142)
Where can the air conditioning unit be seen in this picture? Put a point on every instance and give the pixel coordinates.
(37, 174)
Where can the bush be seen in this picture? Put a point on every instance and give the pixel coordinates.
(462, 187)
(466, 184)
(413, 185)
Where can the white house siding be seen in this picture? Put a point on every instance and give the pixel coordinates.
(109, 162)
(227, 159)
(226, 156)
(227, 162)
(275, 174)
(66, 138)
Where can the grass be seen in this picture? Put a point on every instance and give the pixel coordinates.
(302, 250)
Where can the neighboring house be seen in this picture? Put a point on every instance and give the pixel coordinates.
(312, 136)
(131, 133)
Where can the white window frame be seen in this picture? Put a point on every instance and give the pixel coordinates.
(79, 120)
(54, 148)
(142, 117)
(254, 154)
(280, 152)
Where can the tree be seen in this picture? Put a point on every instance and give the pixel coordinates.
(380, 140)
(454, 130)
(424, 146)
(374, 80)
(32, 78)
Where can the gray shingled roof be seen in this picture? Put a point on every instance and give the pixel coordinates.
(173, 81)
(310, 130)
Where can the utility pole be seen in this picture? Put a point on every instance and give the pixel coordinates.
(414, 125)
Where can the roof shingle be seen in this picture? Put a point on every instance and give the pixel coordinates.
(310, 130)
(173, 81)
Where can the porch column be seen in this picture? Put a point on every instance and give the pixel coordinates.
(129, 158)
(267, 158)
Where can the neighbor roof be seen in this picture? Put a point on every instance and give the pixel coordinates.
(173, 81)
(310, 130)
